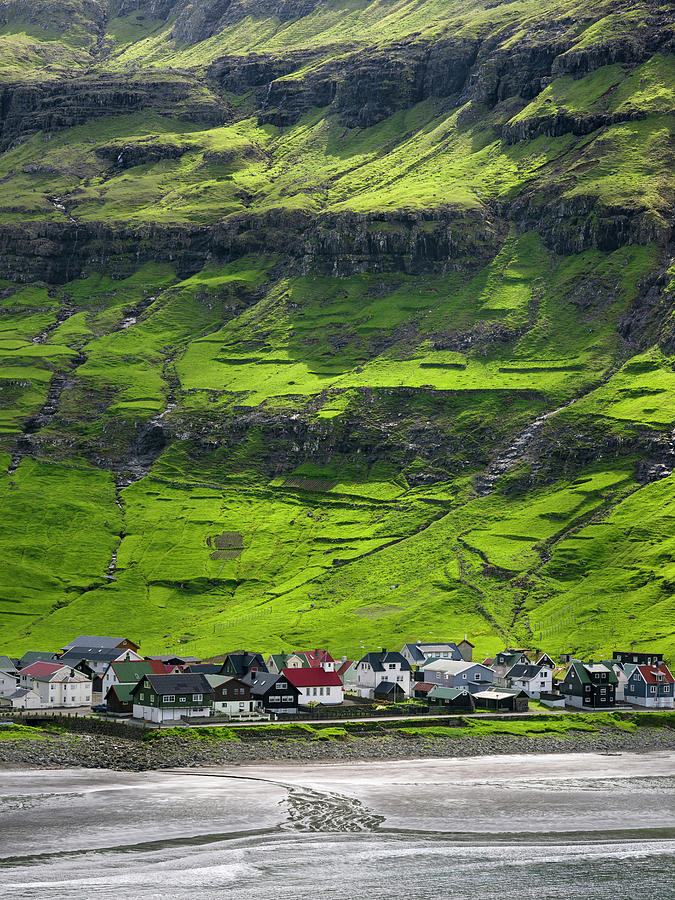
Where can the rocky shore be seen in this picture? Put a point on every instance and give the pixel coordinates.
(93, 751)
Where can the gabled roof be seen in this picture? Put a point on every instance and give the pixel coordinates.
(175, 658)
(499, 694)
(465, 641)
(133, 671)
(7, 665)
(649, 674)
(381, 658)
(216, 680)
(314, 658)
(520, 670)
(242, 660)
(42, 670)
(203, 668)
(122, 692)
(450, 666)
(261, 682)
(177, 684)
(344, 666)
(94, 640)
(385, 688)
(19, 693)
(313, 677)
(445, 693)
(31, 656)
(95, 654)
(420, 651)
(585, 670)
(422, 687)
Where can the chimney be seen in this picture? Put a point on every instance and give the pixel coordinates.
(384, 649)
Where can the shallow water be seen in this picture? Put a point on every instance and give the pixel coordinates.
(549, 826)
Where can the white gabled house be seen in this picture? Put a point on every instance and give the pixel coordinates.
(316, 685)
(57, 685)
(374, 669)
(534, 680)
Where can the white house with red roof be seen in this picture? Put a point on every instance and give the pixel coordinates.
(316, 685)
(57, 685)
(650, 686)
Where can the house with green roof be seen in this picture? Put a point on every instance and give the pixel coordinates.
(589, 685)
(119, 699)
(130, 672)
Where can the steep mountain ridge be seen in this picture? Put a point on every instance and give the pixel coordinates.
(384, 288)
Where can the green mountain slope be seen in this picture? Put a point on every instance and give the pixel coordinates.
(337, 323)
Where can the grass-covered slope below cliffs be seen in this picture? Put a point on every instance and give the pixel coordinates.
(337, 323)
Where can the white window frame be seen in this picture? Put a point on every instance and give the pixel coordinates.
(197, 697)
(168, 698)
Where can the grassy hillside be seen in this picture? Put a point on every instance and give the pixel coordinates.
(337, 323)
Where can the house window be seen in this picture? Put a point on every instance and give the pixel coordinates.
(464, 675)
(197, 697)
(168, 698)
(182, 699)
(666, 688)
(282, 685)
(288, 698)
(652, 689)
(476, 677)
(321, 692)
(391, 665)
(587, 688)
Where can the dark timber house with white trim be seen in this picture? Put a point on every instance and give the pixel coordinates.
(589, 685)
(162, 698)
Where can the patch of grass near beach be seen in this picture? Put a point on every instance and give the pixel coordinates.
(210, 734)
(16, 731)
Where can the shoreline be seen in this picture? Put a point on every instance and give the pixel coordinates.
(119, 754)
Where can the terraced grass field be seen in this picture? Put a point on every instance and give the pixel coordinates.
(337, 324)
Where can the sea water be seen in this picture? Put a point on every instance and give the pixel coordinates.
(588, 826)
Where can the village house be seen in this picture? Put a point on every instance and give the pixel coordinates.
(199, 669)
(56, 685)
(466, 648)
(301, 659)
(95, 660)
(589, 685)
(420, 689)
(9, 676)
(375, 668)
(242, 662)
(21, 698)
(534, 680)
(31, 656)
(452, 673)
(316, 685)
(346, 670)
(649, 685)
(231, 696)
(505, 660)
(102, 641)
(640, 659)
(130, 672)
(454, 699)
(501, 700)
(170, 698)
(417, 654)
(119, 700)
(273, 692)
(275, 662)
